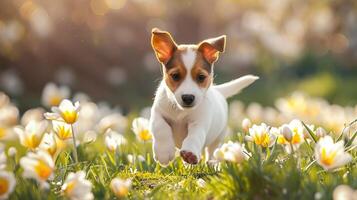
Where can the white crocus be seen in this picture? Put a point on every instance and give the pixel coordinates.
(51, 144)
(291, 135)
(66, 111)
(77, 187)
(52, 95)
(34, 114)
(246, 124)
(140, 126)
(62, 130)
(111, 143)
(260, 135)
(120, 187)
(7, 184)
(32, 134)
(331, 155)
(344, 192)
(39, 166)
(232, 152)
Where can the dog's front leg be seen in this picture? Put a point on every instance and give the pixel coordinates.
(193, 144)
(163, 143)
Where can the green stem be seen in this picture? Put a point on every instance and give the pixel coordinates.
(74, 146)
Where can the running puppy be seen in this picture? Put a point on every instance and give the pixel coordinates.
(189, 112)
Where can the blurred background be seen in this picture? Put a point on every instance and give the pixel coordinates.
(102, 47)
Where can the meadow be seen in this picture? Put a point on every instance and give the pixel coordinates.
(302, 148)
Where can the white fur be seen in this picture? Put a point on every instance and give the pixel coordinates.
(190, 129)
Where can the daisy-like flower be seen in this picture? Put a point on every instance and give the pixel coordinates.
(331, 155)
(52, 95)
(50, 145)
(7, 184)
(66, 111)
(62, 130)
(77, 187)
(113, 140)
(39, 166)
(31, 136)
(260, 135)
(291, 135)
(232, 152)
(120, 187)
(140, 126)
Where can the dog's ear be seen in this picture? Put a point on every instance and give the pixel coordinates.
(210, 48)
(163, 45)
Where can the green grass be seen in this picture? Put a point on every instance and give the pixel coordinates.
(269, 173)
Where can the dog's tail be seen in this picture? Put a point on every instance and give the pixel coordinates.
(235, 86)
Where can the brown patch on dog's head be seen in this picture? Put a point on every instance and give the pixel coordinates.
(175, 70)
(202, 71)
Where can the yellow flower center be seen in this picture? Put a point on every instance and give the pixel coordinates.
(296, 139)
(70, 116)
(122, 192)
(145, 135)
(69, 187)
(2, 132)
(55, 100)
(63, 132)
(43, 170)
(32, 141)
(327, 159)
(262, 140)
(4, 186)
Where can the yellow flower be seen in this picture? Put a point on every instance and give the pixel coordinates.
(120, 187)
(52, 95)
(39, 166)
(66, 111)
(140, 126)
(62, 130)
(31, 136)
(77, 187)
(7, 184)
(331, 155)
(261, 135)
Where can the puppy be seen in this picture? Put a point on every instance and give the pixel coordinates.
(189, 112)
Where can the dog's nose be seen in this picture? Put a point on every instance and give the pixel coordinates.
(188, 99)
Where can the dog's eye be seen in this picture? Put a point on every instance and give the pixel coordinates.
(175, 76)
(201, 78)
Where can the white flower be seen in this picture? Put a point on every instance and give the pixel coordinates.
(201, 183)
(232, 152)
(50, 145)
(66, 111)
(294, 135)
(331, 155)
(38, 166)
(77, 187)
(7, 184)
(62, 129)
(35, 114)
(344, 192)
(120, 187)
(260, 135)
(3, 158)
(113, 140)
(31, 136)
(52, 95)
(246, 124)
(140, 126)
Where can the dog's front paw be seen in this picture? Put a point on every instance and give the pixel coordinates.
(163, 154)
(189, 157)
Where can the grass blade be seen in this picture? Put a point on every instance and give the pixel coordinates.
(313, 136)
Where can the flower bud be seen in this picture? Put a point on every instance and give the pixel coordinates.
(286, 132)
(12, 151)
(320, 132)
(246, 124)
